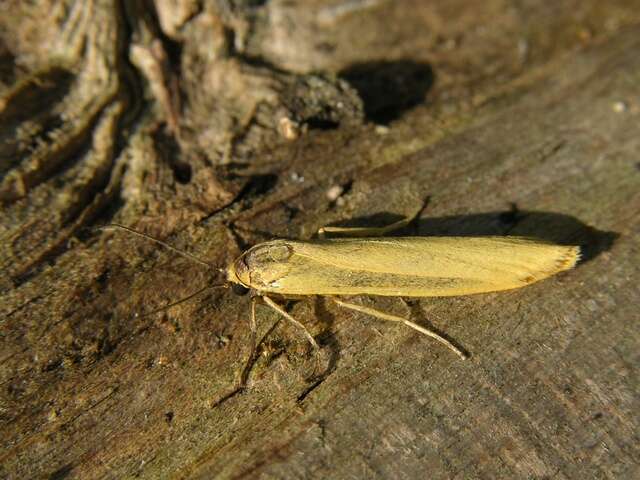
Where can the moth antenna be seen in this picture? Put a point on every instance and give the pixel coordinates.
(115, 226)
(182, 300)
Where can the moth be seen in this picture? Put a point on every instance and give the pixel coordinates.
(362, 264)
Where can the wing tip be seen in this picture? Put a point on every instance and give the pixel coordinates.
(570, 258)
(566, 259)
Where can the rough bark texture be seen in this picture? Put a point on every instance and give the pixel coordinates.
(217, 124)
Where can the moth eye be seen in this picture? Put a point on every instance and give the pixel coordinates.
(241, 268)
(239, 290)
(280, 253)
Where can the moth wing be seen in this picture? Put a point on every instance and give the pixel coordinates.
(419, 266)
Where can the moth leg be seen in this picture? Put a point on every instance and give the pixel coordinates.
(393, 318)
(306, 333)
(282, 312)
(244, 376)
(372, 231)
(364, 231)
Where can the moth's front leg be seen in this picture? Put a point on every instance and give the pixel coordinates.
(302, 328)
(253, 328)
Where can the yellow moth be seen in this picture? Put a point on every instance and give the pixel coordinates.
(392, 266)
(399, 266)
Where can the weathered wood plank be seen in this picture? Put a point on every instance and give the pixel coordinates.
(546, 120)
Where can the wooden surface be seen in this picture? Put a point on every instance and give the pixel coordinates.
(521, 119)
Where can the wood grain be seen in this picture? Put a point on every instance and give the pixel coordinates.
(522, 120)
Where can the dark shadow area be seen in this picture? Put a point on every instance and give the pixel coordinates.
(320, 123)
(33, 101)
(61, 473)
(552, 227)
(8, 67)
(327, 341)
(172, 47)
(35, 96)
(388, 89)
(326, 338)
(260, 184)
(169, 151)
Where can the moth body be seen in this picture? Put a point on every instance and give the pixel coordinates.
(399, 266)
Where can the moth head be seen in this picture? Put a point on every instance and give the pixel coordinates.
(260, 267)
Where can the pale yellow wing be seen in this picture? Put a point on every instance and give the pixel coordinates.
(403, 266)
